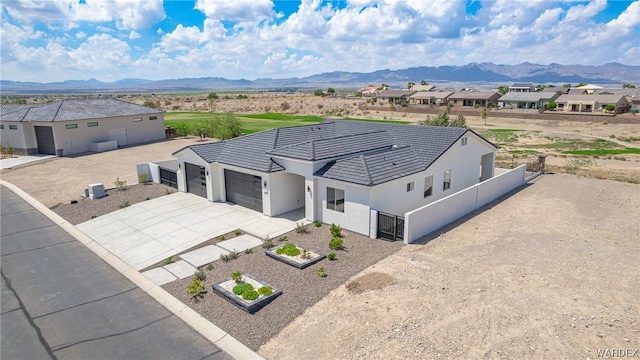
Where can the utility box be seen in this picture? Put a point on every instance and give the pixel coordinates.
(96, 191)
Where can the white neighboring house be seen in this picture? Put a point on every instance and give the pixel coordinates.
(75, 126)
(338, 171)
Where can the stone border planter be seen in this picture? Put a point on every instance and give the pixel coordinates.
(295, 261)
(224, 289)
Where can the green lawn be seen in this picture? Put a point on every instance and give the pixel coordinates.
(252, 123)
(603, 152)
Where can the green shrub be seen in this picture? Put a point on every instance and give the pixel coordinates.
(228, 257)
(282, 238)
(236, 276)
(238, 232)
(169, 260)
(336, 230)
(331, 256)
(196, 290)
(200, 275)
(317, 224)
(551, 105)
(144, 178)
(210, 267)
(265, 291)
(610, 107)
(267, 242)
(300, 229)
(241, 288)
(248, 251)
(321, 272)
(221, 238)
(335, 243)
(288, 249)
(120, 184)
(250, 295)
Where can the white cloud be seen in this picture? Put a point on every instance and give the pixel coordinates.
(584, 12)
(133, 35)
(237, 9)
(127, 14)
(81, 35)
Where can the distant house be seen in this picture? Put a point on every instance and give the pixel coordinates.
(419, 87)
(430, 98)
(393, 96)
(475, 98)
(526, 100)
(367, 91)
(592, 103)
(78, 125)
(588, 89)
(522, 87)
(337, 171)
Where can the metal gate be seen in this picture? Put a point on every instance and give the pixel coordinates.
(243, 189)
(168, 177)
(196, 179)
(44, 138)
(390, 227)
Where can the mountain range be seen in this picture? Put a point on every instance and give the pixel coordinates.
(611, 74)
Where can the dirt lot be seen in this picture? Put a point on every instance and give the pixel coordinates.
(550, 272)
(59, 180)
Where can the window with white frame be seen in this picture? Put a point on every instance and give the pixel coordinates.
(410, 186)
(92, 124)
(71, 126)
(446, 184)
(13, 127)
(428, 186)
(335, 199)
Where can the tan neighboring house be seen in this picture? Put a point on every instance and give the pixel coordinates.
(475, 98)
(588, 89)
(526, 100)
(419, 87)
(393, 96)
(75, 126)
(430, 98)
(368, 91)
(592, 103)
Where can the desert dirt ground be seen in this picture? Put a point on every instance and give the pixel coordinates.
(549, 272)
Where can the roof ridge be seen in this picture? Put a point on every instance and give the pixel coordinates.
(366, 167)
(57, 111)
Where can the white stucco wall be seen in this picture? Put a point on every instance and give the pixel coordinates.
(15, 138)
(356, 209)
(287, 192)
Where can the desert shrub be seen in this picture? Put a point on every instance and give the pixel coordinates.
(169, 260)
(321, 272)
(552, 105)
(248, 251)
(241, 288)
(318, 92)
(250, 295)
(282, 238)
(200, 275)
(267, 242)
(175, 107)
(336, 230)
(265, 291)
(301, 229)
(610, 107)
(285, 106)
(210, 267)
(144, 178)
(228, 257)
(237, 232)
(120, 184)
(221, 238)
(124, 204)
(335, 243)
(305, 254)
(317, 224)
(331, 256)
(288, 249)
(236, 276)
(196, 290)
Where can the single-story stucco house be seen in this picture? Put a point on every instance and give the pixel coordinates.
(526, 100)
(475, 98)
(393, 96)
(337, 171)
(430, 98)
(592, 103)
(75, 126)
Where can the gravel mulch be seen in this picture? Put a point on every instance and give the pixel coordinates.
(86, 208)
(300, 288)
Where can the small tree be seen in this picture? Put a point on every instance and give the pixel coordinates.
(9, 150)
(610, 107)
(566, 86)
(581, 84)
(552, 105)
(503, 89)
(410, 85)
(423, 82)
(318, 92)
(212, 96)
(628, 86)
(484, 113)
(120, 184)
(331, 90)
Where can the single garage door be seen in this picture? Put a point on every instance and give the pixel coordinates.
(243, 189)
(44, 138)
(196, 179)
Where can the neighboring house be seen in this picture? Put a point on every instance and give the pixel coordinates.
(337, 171)
(419, 87)
(592, 103)
(368, 91)
(430, 98)
(475, 98)
(76, 125)
(394, 96)
(522, 87)
(526, 100)
(588, 89)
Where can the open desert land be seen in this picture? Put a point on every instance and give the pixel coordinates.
(549, 271)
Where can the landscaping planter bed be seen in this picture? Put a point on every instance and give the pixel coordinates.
(225, 288)
(296, 261)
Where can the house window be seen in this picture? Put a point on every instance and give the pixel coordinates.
(410, 186)
(1, 127)
(92, 124)
(13, 127)
(447, 180)
(428, 186)
(153, 118)
(335, 199)
(464, 141)
(71, 126)
(137, 119)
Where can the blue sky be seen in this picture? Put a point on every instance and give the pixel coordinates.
(56, 40)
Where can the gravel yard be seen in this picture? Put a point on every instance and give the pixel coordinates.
(301, 288)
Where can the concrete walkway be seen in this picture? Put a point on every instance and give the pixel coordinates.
(21, 160)
(151, 231)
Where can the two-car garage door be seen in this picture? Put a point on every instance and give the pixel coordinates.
(243, 189)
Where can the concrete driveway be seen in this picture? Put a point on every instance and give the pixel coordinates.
(153, 230)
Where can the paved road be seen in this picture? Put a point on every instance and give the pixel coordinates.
(59, 300)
